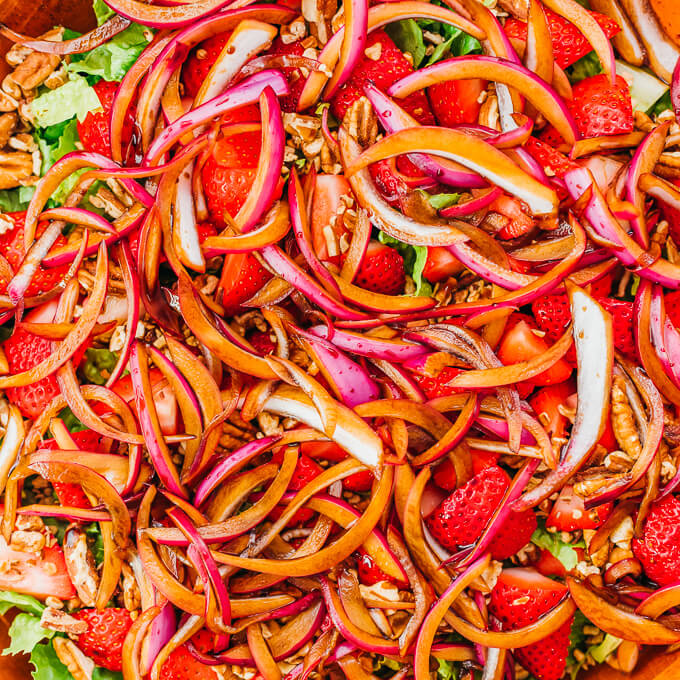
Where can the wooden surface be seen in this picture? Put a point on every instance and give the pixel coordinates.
(34, 17)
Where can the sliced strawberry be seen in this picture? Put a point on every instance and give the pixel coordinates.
(483, 459)
(569, 513)
(569, 44)
(598, 109)
(521, 343)
(519, 223)
(519, 598)
(242, 277)
(370, 573)
(103, 641)
(326, 225)
(548, 565)
(551, 160)
(659, 547)
(546, 403)
(383, 70)
(622, 321)
(12, 248)
(444, 475)
(460, 519)
(440, 264)
(262, 342)
(392, 187)
(455, 102)
(95, 132)
(305, 471)
(296, 79)
(672, 304)
(181, 664)
(438, 386)
(359, 481)
(201, 60)
(382, 270)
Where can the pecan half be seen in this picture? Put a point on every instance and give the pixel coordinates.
(623, 422)
(80, 566)
(79, 666)
(15, 168)
(8, 122)
(59, 620)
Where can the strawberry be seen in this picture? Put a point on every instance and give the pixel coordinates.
(483, 459)
(444, 475)
(382, 270)
(370, 573)
(389, 184)
(438, 386)
(520, 343)
(546, 403)
(440, 264)
(25, 350)
(359, 481)
(519, 598)
(672, 300)
(305, 471)
(551, 160)
(12, 247)
(659, 547)
(181, 664)
(330, 193)
(228, 175)
(73, 494)
(200, 61)
(242, 277)
(384, 71)
(569, 44)
(455, 102)
(262, 342)
(459, 520)
(622, 319)
(519, 221)
(296, 81)
(103, 640)
(94, 131)
(569, 513)
(601, 287)
(598, 109)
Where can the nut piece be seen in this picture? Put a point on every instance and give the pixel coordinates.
(132, 596)
(8, 122)
(27, 541)
(80, 566)
(35, 70)
(623, 422)
(59, 620)
(79, 666)
(319, 13)
(15, 168)
(361, 122)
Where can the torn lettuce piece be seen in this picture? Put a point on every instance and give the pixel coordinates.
(15, 200)
(564, 552)
(26, 603)
(415, 258)
(25, 633)
(408, 37)
(102, 11)
(47, 664)
(98, 365)
(605, 648)
(74, 98)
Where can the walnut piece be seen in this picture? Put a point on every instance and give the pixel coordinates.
(319, 14)
(34, 71)
(80, 566)
(361, 122)
(623, 422)
(79, 666)
(59, 620)
(27, 541)
(8, 123)
(15, 169)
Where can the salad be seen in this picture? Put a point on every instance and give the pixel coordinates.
(341, 339)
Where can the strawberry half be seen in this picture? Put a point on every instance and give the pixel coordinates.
(296, 80)
(659, 547)
(458, 521)
(242, 277)
(106, 632)
(455, 102)
(200, 61)
(569, 513)
(569, 44)
(672, 304)
(519, 598)
(382, 270)
(384, 70)
(183, 665)
(438, 385)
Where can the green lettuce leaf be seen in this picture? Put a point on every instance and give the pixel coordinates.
(71, 421)
(14, 200)
(605, 648)
(47, 665)
(25, 633)
(408, 37)
(564, 552)
(456, 42)
(415, 258)
(74, 98)
(105, 674)
(102, 11)
(112, 60)
(441, 201)
(26, 603)
(446, 670)
(98, 365)
(584, 68)
(96, 542)
(663, 104)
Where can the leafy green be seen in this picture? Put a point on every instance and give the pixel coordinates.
(105, 674)
(663, 104)
(564, 552)
(73, 98)
(98, 365)
(102, 11)
(59, 526)
(71, 421)
(577, 640)
(384, 667)
(14, 200)
(456, 42)
(112, 60)
(408, 37)
(25, 633)
(585, 67)
(605, 648)
(47, 665)
(415, 258)
(26, 603)
(440, 51)
(96, 542)
(446, 670)
(441, 201)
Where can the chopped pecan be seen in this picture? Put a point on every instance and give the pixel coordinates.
(7, 102)
(8, 123)
(15, 168)
(59, 620)
(518, 8)
(79, 666)
(27, 541)
(296, 30)
(80, 566)
(319, 14)
(108, 202)
(361, 122)
(132, 597)
(34, 71)
(623, 421)
(29, 523)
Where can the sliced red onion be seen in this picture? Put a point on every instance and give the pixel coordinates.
(499, 427)
(174, 16)
(162, 629)
(231, 464)
(482, 200)
(80, 216)
(595, 356)
(184, 225)
(675, 90)
(247, 91)
(367, 346)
